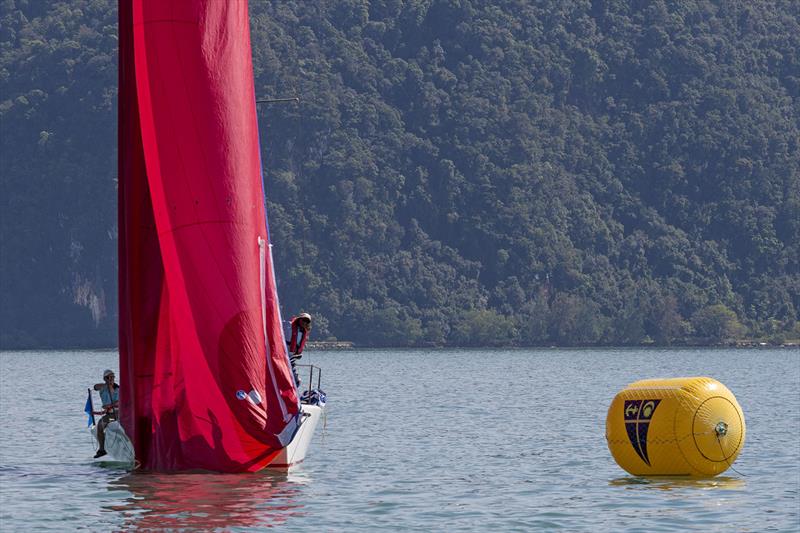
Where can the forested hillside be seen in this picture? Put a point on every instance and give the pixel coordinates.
(457, 172)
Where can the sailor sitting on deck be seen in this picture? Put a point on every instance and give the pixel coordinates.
(301, 327)
(109, 394)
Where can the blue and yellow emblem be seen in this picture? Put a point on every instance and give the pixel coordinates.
(638, 415)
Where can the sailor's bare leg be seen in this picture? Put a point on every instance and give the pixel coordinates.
(101, 435)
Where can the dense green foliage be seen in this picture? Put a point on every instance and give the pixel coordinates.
(457, 172)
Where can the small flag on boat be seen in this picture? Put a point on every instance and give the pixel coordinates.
(88, 410)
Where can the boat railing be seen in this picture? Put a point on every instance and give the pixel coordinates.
(313, 371)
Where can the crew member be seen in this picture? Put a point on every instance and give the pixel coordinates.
(301, 327)
(109, 394)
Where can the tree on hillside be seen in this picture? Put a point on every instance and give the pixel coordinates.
(554, 172)
(717, 323)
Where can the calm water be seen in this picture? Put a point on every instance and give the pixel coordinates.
(418, 440)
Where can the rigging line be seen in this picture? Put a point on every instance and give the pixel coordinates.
(93, 438)
(726, 459)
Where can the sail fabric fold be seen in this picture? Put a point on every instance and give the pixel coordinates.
(204, 372)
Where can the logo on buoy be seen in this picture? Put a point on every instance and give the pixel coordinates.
(638, 414)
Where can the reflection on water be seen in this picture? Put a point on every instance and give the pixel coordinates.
(207, 501)
(680, 482)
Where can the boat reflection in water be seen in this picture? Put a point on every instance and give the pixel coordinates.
(680, 482)
(209, 501)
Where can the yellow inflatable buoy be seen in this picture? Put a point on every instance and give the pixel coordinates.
(675, 427)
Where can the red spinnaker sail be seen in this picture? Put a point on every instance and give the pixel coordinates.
(205, 377)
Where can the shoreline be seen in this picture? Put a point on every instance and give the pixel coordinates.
(350, 345)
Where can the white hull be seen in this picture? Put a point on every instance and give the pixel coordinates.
(120, 448)
(295, 452)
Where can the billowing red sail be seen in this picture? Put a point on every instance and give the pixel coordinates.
(205, 377)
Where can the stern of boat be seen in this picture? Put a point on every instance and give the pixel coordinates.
(118, 445)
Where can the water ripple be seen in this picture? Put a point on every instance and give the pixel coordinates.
(419, 440)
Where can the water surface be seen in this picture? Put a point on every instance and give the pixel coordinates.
(418, 440)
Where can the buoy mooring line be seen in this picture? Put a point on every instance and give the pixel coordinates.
(720, 430)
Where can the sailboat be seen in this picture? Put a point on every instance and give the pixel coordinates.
(205, 376)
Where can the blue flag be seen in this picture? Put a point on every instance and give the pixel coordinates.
(88, 410)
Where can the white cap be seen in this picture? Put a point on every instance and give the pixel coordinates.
(107, 373)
